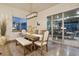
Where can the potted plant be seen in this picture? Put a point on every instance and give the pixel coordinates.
(3, 32)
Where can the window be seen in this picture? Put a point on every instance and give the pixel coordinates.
(19, 24)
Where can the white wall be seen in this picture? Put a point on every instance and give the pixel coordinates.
(8, 12)
(42, 16)
(32, 23)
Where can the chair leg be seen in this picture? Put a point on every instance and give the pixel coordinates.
(31, 47)
(16, 43)
(41, 50)
(46, 47)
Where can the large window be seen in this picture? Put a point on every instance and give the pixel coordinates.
(71, 24)
(65, 27)
(19, 24)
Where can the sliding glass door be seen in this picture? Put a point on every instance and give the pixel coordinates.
(71, 24)
(65, 27)
(56, 25)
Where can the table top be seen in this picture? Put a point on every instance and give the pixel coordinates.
(34, 35)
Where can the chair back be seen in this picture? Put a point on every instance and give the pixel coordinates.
(45, 36)
(23, 32)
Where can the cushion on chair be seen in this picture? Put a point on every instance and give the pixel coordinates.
(39, 43)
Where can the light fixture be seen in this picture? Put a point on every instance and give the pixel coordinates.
(31, 15)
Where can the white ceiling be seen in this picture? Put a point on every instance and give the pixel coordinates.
(31, 7)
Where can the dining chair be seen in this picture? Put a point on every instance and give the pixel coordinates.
(41, 31)
(43, 42)
(23, 32)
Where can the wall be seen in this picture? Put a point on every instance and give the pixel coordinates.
(42, 16)
(8, 12)
(32, 22)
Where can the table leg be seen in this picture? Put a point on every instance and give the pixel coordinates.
(0, 53)
(16, 43)
(33, 45)
(24, 50)
(41, 50)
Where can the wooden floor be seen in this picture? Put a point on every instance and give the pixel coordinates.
(54, 49)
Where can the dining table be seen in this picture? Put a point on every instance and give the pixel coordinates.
(33, 37)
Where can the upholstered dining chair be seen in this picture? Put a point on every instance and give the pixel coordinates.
(23, 32)
(43, 42)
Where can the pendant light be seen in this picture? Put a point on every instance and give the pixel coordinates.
(32, 13)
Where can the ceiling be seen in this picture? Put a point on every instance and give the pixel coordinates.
(31, 7)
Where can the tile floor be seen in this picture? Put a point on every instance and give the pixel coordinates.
(54, 49)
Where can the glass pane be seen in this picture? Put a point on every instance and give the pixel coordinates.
(49, 24)
(19, 24)
(57, 24)
(71, 25)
